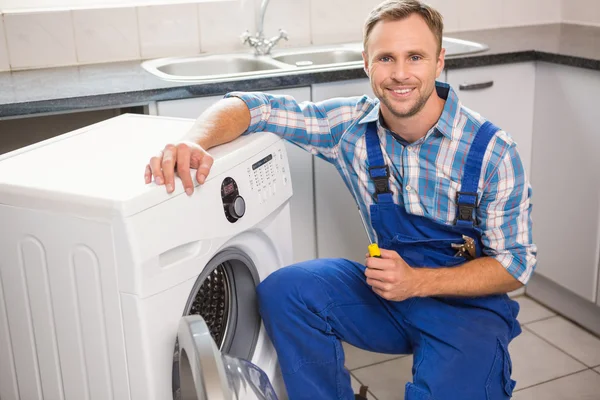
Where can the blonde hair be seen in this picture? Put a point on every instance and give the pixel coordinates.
(394, 10)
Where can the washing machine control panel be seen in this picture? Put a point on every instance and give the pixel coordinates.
(234, 205)
(267, 173)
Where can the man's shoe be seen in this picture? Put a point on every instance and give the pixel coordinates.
(362, 394)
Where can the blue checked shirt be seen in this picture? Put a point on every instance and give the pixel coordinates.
(425, 175)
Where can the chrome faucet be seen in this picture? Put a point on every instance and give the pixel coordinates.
(262, 46)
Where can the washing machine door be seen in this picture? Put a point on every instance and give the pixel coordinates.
(206, 374)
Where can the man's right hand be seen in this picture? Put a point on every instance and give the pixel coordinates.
(180, 157)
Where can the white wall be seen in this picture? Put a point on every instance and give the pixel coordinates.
(84, 34)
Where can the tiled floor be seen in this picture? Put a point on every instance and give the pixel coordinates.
(553, 359)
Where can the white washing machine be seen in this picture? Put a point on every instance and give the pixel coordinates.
(97, 268)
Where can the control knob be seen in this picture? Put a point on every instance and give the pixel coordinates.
(237, 207)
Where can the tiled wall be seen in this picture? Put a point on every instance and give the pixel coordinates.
(581, 11)
(36, 39)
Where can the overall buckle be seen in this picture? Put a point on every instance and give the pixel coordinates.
(382, 184)
(466, 211)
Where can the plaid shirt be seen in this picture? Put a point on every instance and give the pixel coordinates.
(425, 175)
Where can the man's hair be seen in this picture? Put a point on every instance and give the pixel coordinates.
(395, 10)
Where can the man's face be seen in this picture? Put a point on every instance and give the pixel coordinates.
(402, 63)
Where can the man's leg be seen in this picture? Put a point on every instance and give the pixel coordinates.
(460, 352)
(308, 307)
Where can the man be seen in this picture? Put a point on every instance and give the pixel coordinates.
(447, 196)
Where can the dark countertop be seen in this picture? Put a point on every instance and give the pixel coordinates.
(114, 85)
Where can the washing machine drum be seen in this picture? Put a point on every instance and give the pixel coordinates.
(224, 295)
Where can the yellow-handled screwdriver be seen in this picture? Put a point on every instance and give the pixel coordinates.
(373, 247)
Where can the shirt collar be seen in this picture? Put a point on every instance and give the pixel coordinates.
(447, 120)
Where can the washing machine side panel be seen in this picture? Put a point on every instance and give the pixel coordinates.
(9, 389)
(62, 306)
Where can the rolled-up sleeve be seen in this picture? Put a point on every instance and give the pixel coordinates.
(505, 217)
(316, 127)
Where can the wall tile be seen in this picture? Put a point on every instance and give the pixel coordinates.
(169, 30)
(4, 64)
(581, 11)
(222, 24)
(324, 13)
(548, 11)
(106, 34)
(40, 39)
(479, 14)
(450, 12)
(530, 12)
(293, 16)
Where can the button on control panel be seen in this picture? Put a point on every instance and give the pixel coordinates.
(267, 174)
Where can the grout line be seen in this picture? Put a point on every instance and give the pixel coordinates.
(379, 362)
(539, 320)
(550, 380)
(556, 347)
(565, 317)
(363, 383)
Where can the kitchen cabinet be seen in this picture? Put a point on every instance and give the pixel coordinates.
(565, 178)
(301, 170)
(503, 94)
(340, 232)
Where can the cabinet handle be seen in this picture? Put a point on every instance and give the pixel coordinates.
(476, 86)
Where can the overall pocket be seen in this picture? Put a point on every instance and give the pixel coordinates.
(499, 385)
(428, 252)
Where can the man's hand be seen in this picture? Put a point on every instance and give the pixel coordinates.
(180, 157)
(391, 277)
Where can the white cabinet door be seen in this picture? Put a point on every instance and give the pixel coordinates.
(301, 170)
(508, 103)
(340, 232)
(566, 177)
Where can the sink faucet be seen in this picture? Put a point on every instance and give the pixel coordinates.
(262, 46)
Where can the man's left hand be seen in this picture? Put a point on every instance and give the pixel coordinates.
(391, 277)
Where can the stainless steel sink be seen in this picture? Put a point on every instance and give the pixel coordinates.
(214, 67)
(455, 47)
(322, 57)
(231, 67)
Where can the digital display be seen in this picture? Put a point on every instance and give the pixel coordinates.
(262, 162)
(228, 189)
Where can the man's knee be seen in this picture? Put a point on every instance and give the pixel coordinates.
(299, 286)
(282, 287)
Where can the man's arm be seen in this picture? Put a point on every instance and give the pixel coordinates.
(222, 122)
(316, 127)
(393, 279)
(480, 277)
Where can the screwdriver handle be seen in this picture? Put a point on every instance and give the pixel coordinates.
(374, 250)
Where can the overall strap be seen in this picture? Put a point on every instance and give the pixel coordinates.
(467, 197)
(378, 170)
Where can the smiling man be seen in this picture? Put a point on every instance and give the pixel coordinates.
(449, 202)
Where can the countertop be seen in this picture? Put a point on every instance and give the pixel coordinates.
(120, 84)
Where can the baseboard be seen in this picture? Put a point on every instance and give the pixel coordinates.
(517, 292)
(577, 309)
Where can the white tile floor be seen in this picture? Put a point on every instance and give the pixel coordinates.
(553, 359)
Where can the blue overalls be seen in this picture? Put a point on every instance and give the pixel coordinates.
(459, 345)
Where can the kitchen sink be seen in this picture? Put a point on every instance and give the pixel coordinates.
(231, 67)
(456, 47)
(214, 67)
(323, 57)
